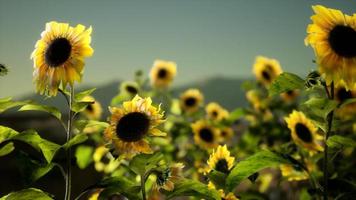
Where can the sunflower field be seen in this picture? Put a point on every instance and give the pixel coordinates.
(294, 140)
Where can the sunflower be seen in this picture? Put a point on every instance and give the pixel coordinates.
(229, 196)
(191, 100)
(216, 112)
(104, 161)
(266, 69)
(59, 56)
(132, 123)
(333, 38)
(129, 88)
(342, 95)
(290, 95)
(162, 73)
(166, 178)
(205, 135)
(220, 160)
(92, 111)
(95, 195)
(226, 133)
(292, 173)
(304, 132)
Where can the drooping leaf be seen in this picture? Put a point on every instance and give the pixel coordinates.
(26, 194)
(6, 149)
(37, 107)
(337, 141)
(142, 163)
(77, 139)
(320, 107)
(7, 103)
(251, 165)
(79, 96)
(84, 155)
(285, 82)
(186, 187)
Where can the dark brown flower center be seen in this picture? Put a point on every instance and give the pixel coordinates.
(214, 113)
(206, 135)
(190, 101)
(342, 94)
(162, 73)
(290, 92)
(132, 127)
(266, 75)
(222, 166)
(303, 132)
(90, 108)
(58, 52)
(342, 40)
(131, 89)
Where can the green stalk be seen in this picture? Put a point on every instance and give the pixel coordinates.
(143, 187)
(69, 155)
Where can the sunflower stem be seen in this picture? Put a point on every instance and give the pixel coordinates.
(143, 188)
(69, 154)
(327, 134)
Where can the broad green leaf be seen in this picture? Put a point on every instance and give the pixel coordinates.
(218, 178)
(142, 163)
(121, 185)
(320, 107)
(251, 165)
(7, 103)
(32, 138)
(50, 109)
(186, 187)
(79, 96)
(236, 114)
(26, 194)
(337, 141)
(84, 155)
(41, 171)
(83, 124)
(77, 139)
(6, 149)
(80, 106)
(285, 82)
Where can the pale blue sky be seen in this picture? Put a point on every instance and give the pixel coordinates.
(205, 37)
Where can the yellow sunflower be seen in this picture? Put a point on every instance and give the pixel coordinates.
(220, 160)
(303, 131)
(166, 178)
(104, 161)
(205, 135)
(216, 112)
(342, 95)
(92, 111)
(333, 38)
(191, 100)
(229, 196)
(132, 123)
(129, 88)
(162, 73)
(290, 95)
(292, 173)
(226, 133)
(59, 56)
(266, 69)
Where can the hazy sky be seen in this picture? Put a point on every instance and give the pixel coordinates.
(205, 37)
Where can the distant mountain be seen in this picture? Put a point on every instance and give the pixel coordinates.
(226, 91)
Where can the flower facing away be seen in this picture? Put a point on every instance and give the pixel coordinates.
(132, 123)
(266, 69)
(333, 38)
(191, 100)
(165, 179)
(162, 73)
(59, 56)
(104, 161)
(303, 131)
(216, 112)
(129, 88)
(92, 111)
(220, 160)
(205, 135)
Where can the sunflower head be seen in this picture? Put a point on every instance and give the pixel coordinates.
(162, 73)
(226, 133)
(92, 111)
(216, 112)
(191, 100)
(132, 123)
(266, 69)
(333, 38)
(59, 56)
(293, 173)
(205, 135)
(342, 95)
(220, 160)
(290, 95)
(104, 161)
(129, 88)
(303, 131)
(167, 177)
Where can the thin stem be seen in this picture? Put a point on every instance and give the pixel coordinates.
(143, 188)
(327, 134)
(69, 154)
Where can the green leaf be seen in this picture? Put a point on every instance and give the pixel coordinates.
(348, 101)
(80, 106)
(6, 149)
(84, 156)
(251, 165)
(236, 114)
(7, 103)
(49, 109)
(218, 178)
(186, 187)
(142, 163)
(320, 107)
(285, 82)
(121, 185)
(82, 124)
(79, 96)
(77, 139)
(26, 194)
(41, 171)
(32, 138)
(337, 141)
